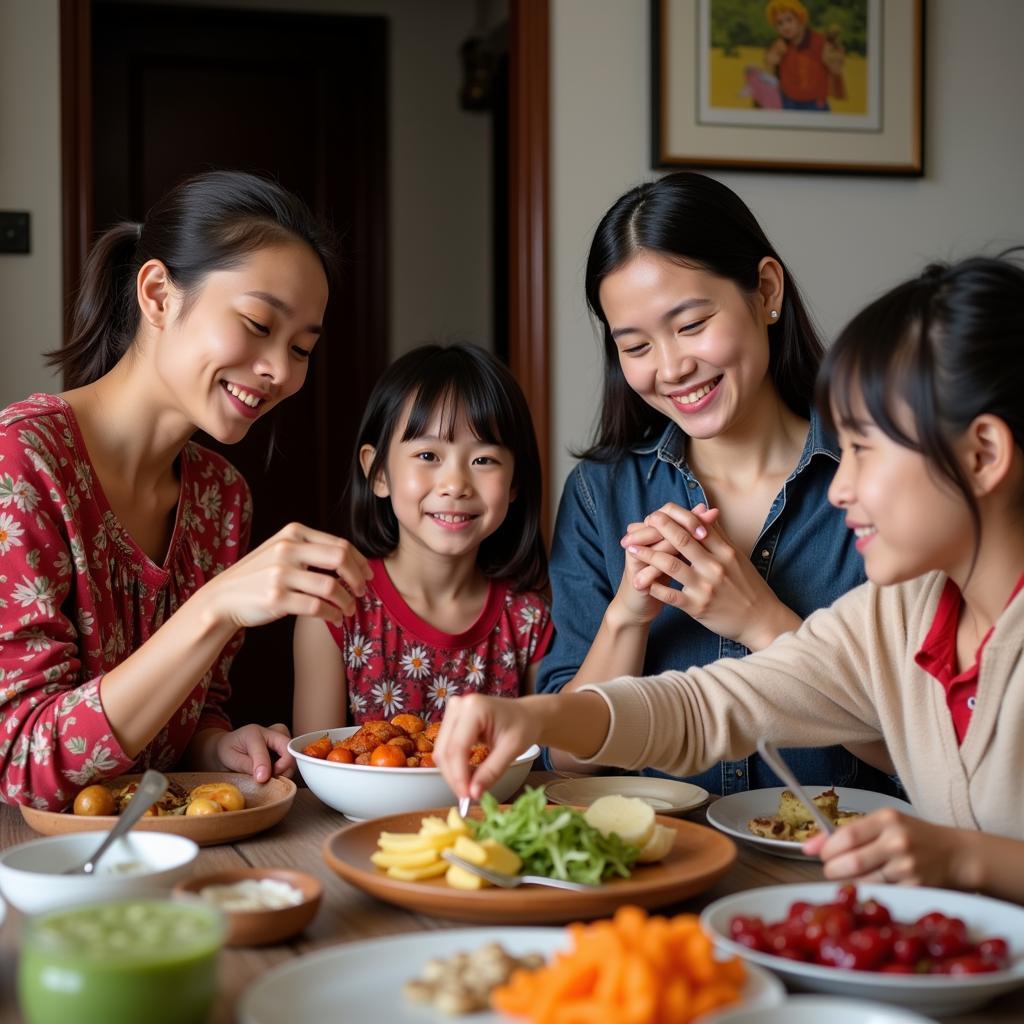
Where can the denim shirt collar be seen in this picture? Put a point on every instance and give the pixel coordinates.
(671, 448)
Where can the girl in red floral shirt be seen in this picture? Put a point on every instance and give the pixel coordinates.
(124, 583)
(446, 499)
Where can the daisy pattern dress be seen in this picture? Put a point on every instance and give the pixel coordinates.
(395, 662)
(77, 596)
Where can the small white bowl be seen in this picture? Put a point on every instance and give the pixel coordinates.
(363, 791)
(150, 863)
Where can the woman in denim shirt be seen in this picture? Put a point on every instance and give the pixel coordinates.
(707, 447)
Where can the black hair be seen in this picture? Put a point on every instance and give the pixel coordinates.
(946, 346)
(213, 221)
(699, 222)
(453, 380)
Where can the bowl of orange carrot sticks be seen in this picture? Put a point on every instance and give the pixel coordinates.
(637, 968)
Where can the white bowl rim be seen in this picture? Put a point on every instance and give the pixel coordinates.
(799, 968)
(819, 1001)
(189, 847)
(530, 754)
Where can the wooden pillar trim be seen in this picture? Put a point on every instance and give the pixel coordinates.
(529, 180)
(76, 144)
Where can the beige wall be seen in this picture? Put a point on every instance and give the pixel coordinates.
(440, 156)
(30, 286)
(845, 238)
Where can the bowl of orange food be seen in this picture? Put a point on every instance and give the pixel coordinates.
(387, 767)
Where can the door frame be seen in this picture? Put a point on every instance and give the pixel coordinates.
(529, 185)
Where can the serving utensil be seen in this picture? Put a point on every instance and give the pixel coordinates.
(774, 760)
(511, 881)
(150, 789)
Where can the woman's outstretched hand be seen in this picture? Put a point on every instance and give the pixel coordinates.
(249, 749)
(505, 725)
(721, 588)
(576, 722)
(298, 571)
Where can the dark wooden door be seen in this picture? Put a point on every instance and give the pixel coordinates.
(178, 90)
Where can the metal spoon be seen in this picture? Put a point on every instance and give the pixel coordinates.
(150, 789)
(771, 755)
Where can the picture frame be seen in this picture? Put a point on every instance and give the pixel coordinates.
(818, 86)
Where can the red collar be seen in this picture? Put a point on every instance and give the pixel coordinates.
(937, 656)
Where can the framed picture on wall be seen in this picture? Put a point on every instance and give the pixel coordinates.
(832, 86)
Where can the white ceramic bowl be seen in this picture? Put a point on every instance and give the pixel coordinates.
(362, 791)
(150, 864)
(938, 994)
(815, 1009)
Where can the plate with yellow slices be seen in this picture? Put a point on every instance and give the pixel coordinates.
(695, 858)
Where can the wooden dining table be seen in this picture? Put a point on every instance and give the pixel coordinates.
(349, 915)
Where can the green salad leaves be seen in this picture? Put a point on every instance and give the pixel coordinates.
(554, 841)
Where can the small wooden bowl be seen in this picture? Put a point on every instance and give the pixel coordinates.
(262, 927)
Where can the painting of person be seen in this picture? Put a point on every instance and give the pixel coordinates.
(807, 63)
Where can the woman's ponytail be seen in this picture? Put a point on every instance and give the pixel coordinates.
(106, 313)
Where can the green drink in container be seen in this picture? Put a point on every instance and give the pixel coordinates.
(131, 962)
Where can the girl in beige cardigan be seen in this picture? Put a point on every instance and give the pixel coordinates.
(923, 388)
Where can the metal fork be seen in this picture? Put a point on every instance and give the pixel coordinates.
(511, 881)
(771, 755)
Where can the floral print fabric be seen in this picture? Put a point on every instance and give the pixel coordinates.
(395, 662)
(77, 596)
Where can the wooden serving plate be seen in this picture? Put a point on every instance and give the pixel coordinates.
(698, 859)
(265, 805)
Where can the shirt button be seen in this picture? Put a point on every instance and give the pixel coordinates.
(691, 483)
(739, 773)
(765, 552)
(971, 702)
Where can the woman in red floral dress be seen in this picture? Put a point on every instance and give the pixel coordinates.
(124, 583)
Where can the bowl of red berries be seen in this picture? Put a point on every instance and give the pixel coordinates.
(933, 950)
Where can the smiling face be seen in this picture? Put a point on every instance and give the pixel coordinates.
(906, 519)
(448, 496)
(243, 346)
(690, 344)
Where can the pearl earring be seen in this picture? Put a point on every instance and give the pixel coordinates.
(774, 314)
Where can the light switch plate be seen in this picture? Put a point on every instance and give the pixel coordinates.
(14, 231)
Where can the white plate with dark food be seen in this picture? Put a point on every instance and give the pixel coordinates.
(666, 796)
(364, 980)
(737, 814)
(982, 920)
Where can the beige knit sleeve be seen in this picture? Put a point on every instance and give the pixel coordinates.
(823, 684)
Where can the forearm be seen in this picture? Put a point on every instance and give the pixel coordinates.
(618, 649)
(777, 619)
(576, 723)
(807, 689)
(987, 863)
(141, 694)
